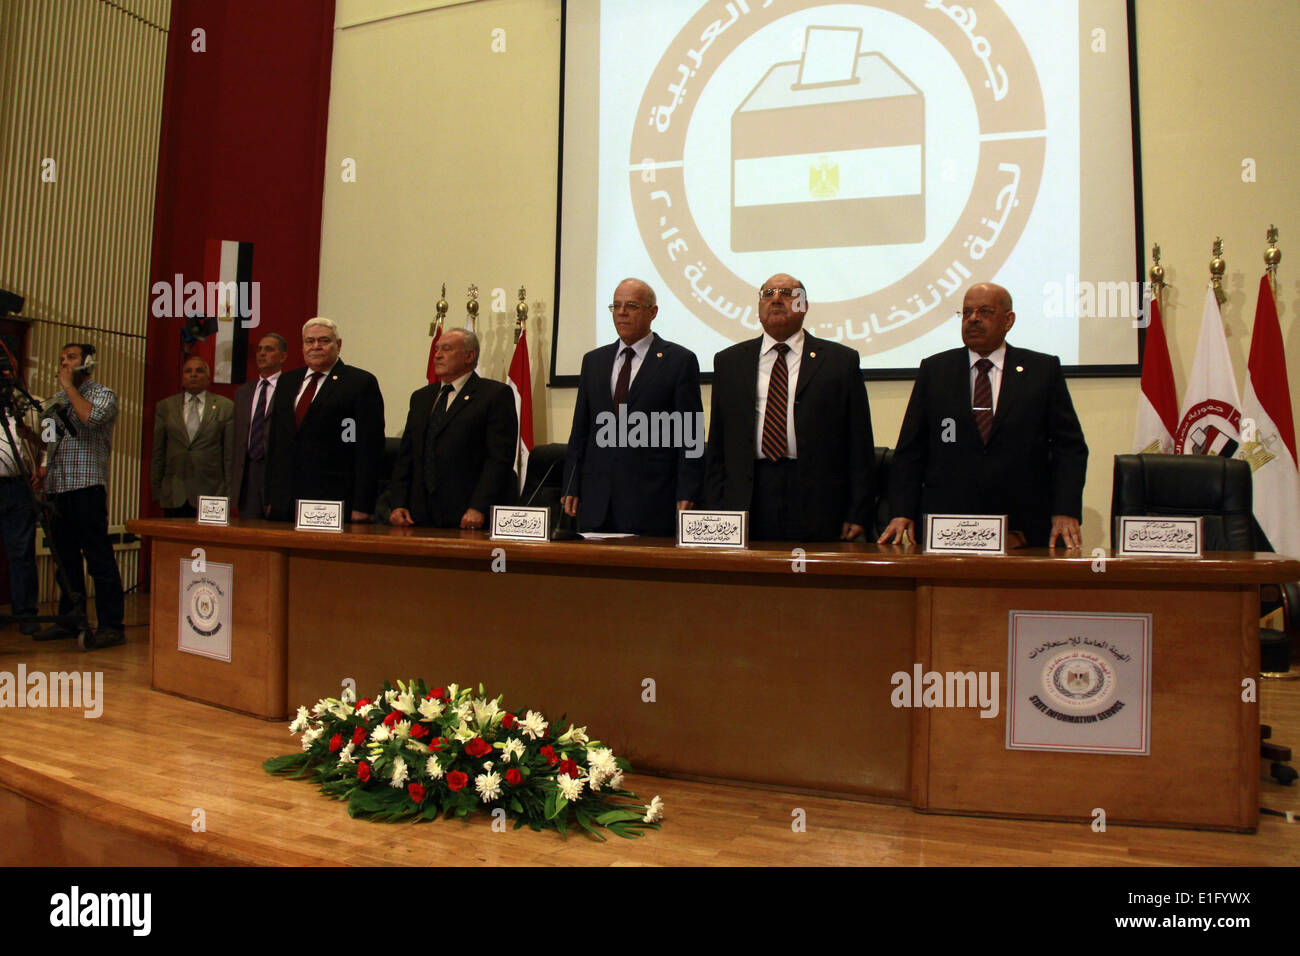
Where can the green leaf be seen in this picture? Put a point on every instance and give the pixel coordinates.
(615, 816)
(515, 805)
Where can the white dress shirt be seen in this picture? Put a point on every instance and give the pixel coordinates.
(306, 380)
(639, 349)
(999, 358)
(767, 355)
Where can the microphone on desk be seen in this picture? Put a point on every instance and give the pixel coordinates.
(566, 527)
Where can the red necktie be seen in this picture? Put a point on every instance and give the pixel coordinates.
(982, 400)
(624, 378)
(775, 440)
(304, 403)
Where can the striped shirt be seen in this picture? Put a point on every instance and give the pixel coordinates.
(82, 462)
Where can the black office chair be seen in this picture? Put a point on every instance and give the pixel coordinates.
(1219, 491)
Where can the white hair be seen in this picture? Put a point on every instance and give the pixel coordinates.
(321, 320)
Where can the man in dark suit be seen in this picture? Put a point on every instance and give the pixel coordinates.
(253, 403)
(192, 435)
(326, 434)
(790, 429)
(636, 446)
(990, 429)
(458, 449)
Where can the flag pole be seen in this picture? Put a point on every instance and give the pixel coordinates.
(1157, 276)
(1217, 268)
(521, 314)
(1272, 256)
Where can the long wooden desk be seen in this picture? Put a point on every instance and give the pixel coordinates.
(764, 666)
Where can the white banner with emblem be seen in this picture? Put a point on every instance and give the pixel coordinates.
(203, 616)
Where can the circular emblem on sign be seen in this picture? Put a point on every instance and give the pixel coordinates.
(1208, 428)
(890, 169)
(205, 608)
(1078, 681)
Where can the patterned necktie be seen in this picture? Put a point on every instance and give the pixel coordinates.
(304, 403)
(257, 430)
(775, 440)
(192, 415)
(982, 399)
(624, 378)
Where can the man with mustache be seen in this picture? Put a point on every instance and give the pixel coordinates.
(790, 432)
(990, 429)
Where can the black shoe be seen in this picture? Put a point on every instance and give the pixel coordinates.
(28, 627)
(55, 632)
(105, 637)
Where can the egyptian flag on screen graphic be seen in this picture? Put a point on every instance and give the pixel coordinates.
(520, 378)
(1268, 430)
(1157, 418)
(228, 269)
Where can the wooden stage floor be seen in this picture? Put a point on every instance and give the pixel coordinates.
(123, 789)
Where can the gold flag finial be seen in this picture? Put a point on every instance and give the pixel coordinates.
(1272, 256)
(441, 308)
(1157, 273)
(1217, 268)
(521, 313)
(471, 307)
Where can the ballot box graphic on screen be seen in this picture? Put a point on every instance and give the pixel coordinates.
(829, 150)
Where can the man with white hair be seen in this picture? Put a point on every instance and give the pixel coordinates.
(325, 438)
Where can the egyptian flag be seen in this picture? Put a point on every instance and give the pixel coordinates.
(1268, 430)
(234, 300)
(520, 378)
(1157, 418)
(431, 373)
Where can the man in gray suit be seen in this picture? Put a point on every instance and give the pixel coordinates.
(192, 436)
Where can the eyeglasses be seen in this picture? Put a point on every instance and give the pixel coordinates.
(633, 307)
(984, 312)
(784, 293)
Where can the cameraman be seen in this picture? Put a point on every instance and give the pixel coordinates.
(18, 519)
(75, 486)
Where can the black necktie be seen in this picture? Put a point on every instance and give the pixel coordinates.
(624, 378)
(431, 459)
(982, 399)
(257, 430)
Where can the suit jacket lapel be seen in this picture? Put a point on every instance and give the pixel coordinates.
(649, 369)
(324, 389)
(809, 363)
(1008, 391)
(459, 400)
(604, 362)
(749, 372)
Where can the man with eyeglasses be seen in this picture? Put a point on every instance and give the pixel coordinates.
(619, 479)
(790, 430)
(457, 457)
(990, 429)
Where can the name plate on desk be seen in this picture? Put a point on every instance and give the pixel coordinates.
(1167, 537)
(520, 524)
(213, 510)
(319, 515)
(966, 534)
(713, 529)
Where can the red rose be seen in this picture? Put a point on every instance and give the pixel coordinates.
(359, 736)
(363, 772)
(478, 747)
(549, 753)
(418, 732)
(438, 693)
(514, 777)
(416, 790)
(456, 781)
(362, 702)
(508, 721)
(392, 718)
(437, 743)
(335, 743)
(570, 768)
